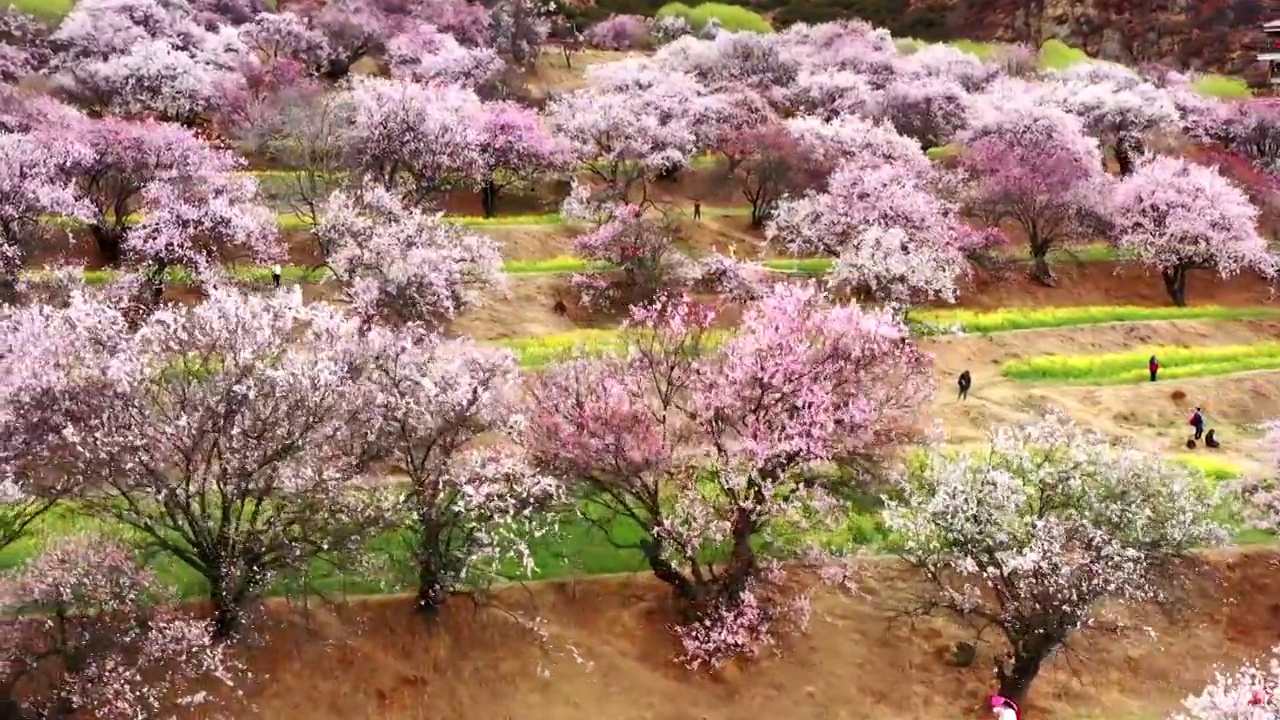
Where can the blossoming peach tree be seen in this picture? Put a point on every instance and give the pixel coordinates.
(703, 448)
(1030, 536)
(87, 630)
(233, 436)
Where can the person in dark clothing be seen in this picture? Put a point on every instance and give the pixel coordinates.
(275, 276)
(1210, 441)
(1197, 422)
(697, 209)
(965, 382)
(1153, 366)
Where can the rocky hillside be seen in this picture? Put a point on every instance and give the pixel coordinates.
(1210, 35)
(1216, 35)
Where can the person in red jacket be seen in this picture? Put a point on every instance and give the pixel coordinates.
(1154, 366)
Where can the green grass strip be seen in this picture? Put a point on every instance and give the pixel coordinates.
(1131, 367)
(539, 351)
(995, 321)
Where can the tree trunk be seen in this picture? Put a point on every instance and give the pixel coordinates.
(489, 198)
(227, 616)
(1016, 680)
(8, 290)
(666, 572)
(742, 558)
(108, 240)
(1124, 156)
(1040, 271)
(431, 588)
(1175, 283)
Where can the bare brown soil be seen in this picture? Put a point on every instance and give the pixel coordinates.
(375, 659)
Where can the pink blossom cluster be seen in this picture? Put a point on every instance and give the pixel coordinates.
(1175, 216)
(403, 264)
(619, 32)
(727, 431)
(88, 631)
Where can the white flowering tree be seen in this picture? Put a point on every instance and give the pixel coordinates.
(1246, 694)
(1029, 536)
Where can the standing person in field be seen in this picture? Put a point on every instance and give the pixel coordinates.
(697, 209)
(275, 275)
(1197, 422)
(965, 382)
(1004, 709)
(1153, 365)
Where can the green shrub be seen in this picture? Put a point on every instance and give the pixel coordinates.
(881, 13)
(46, 10)
(1057, 55)
(731, 17)
(1222, 87)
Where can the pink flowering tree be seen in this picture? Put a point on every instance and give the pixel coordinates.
(39, 345)
(619, 32)
(207, 416)
(34, 181)
(929, 110)
(520, 27)
(1250, 128)
(147, 57)
(635, 123)
(1121, 110)
(1034, 167)
(761, 63)
(352, 30)
(767, 163)
(470, 22)
(939, 61)
(704, 447)
(1175, 216)
(403, 265)
(855, 140)
(89, 630)
(640, 246)
(895, 241)
(287, 37)
(468, 512)
(424, 54)
(200, 224)
(420, 140)
(1031, 537)
(828, 93)
(126, 157)
(1246, 693)
(24, 45)
(517, 148)
(1260, 496)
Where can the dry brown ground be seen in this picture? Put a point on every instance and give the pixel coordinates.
(379, 661)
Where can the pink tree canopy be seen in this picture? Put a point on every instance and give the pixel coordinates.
(401, 264)
(201, 417)
(90, 630)
(896, 242)
(1033, 166)
(418, 139)
(703, 444)
(1175, 216)
(470, 508)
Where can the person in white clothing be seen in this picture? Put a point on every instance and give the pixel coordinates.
(275, 275)
(1003, 708)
